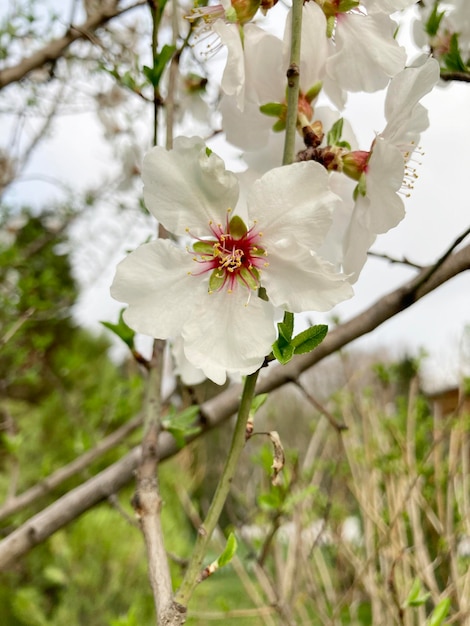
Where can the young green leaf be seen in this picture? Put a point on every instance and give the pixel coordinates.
(229, 551)
(122, 330)
(440, 613)
(309, 339)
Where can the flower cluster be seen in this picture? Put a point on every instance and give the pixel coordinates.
(246, 248)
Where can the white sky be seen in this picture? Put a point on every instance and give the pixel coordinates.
(437, 213)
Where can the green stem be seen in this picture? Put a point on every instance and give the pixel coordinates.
(293, 81)
(206, 529)
(156, 96)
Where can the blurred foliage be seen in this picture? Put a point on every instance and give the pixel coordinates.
(344, 537)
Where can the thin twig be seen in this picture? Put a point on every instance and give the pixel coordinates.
(56, 48)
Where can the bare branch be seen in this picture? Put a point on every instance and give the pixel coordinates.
(56, 48)
(393, 260)
(463, 77)
(220, 408)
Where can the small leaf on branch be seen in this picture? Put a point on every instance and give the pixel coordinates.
(225, 558)
(309, 339)
(335, 132)
(182, 425)
(122, 330)
(154, 74)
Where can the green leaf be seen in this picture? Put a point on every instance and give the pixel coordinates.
(335, 132)
(440, 613)
(122, 330)
(154, 74)
(416, 597)
(229, 551)
(309, 339)
(258, 402)
(182, 425)
(286, 327)
(284, 352)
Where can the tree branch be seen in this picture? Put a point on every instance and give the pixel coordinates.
(55, 48)
(220, 408)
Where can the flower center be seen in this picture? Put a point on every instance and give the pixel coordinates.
(232, 255)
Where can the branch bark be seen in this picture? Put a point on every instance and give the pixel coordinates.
(56, 48)
(220, 408)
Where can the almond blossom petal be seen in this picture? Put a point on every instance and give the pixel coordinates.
(231, 334)
(367, 54)
(299, 280)
(294, 194)
(186, 188)
(406, 118)
(154, 281)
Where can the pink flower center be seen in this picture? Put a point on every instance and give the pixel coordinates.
(233, 255)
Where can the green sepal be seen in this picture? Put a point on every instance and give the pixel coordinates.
(360, 188)
(279, 126)
(309, 339)
(122, 330)
(182, 425)
(237, 227)
(453, 60)
(335, 132)
(440, 613)
(330, 26)
(434, 21)
(231, 15)
(154, 74)
(273, 109)
(229, 551)
(216, 280)
(347, 5)
(313, 92)
(248, 277)
(204, 247)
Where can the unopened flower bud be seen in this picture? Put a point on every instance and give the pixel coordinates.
(355, 163)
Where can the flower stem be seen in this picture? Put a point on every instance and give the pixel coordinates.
(293, 81)
(206, 529)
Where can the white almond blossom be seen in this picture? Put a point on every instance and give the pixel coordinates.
(209, 292)
(266, 59)
(385, 171)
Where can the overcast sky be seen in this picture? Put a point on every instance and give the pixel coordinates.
(437, 212)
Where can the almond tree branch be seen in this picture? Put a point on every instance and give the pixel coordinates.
(56, 48)
(220, 408)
